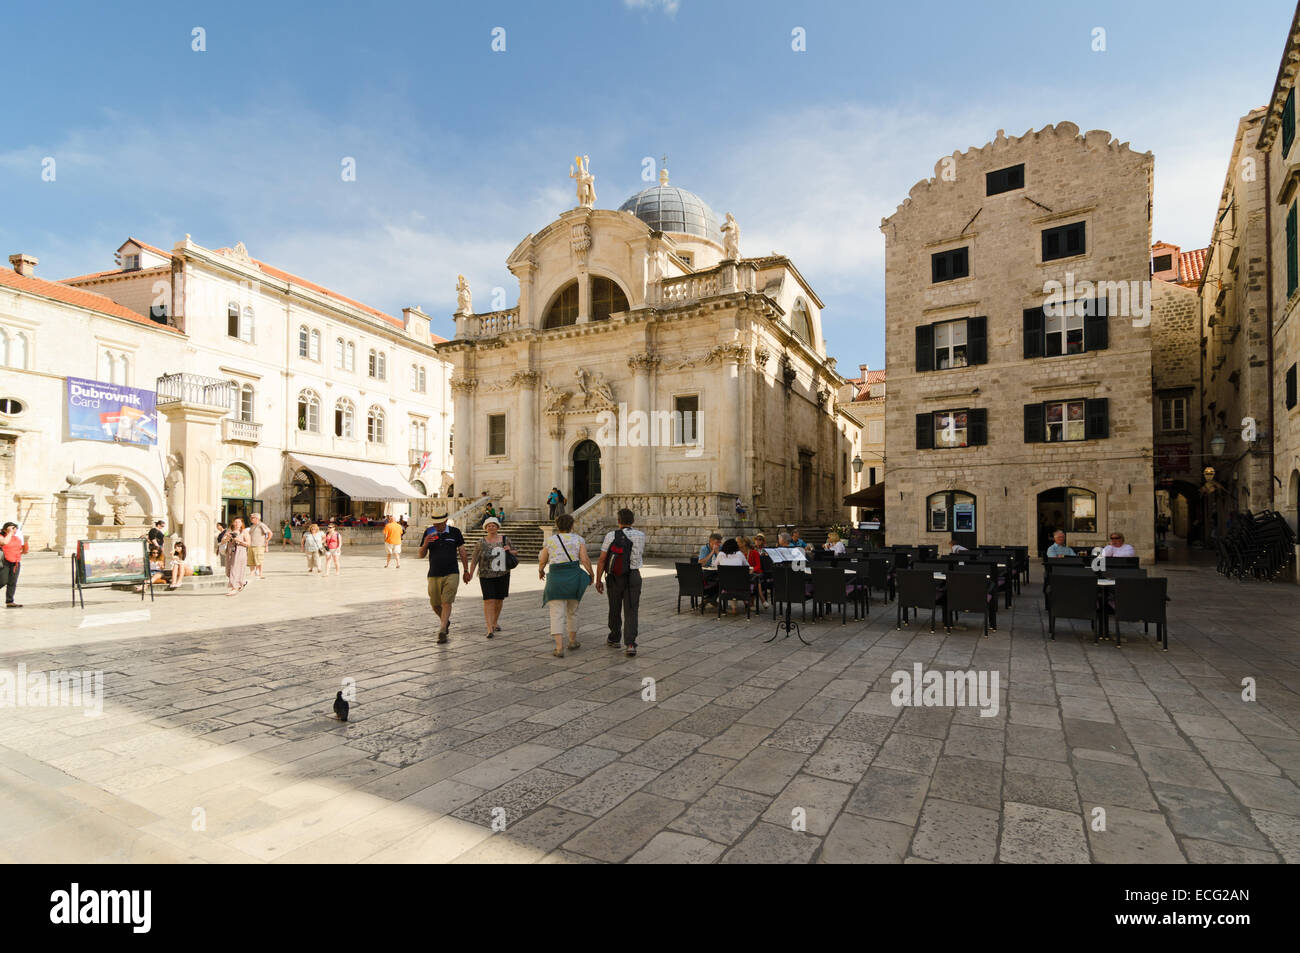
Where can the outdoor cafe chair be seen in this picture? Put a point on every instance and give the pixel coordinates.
(734, 583)
(1145, 601)
(969, 591)
(880, 575)
(1073, 597)
(830, 588)
(788, 587)
(917, 589)
(690, 582)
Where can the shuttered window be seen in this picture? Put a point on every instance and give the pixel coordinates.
(1071, 328)
(1004, 180)
(950, 344)
(947, 265)
(1058, 421)
(952, 429)
(1291, 261)
(1290, 388)
(1064, 241)
(1288, 122)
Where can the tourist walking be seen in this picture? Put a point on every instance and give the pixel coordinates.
(259, 540)
(313, 545)
(393, 542)
(492, 558)
(621, 555)
(443, 544)
(566, 555)
(12, 548)
(286, 533)
(333, 548)
(233, 540)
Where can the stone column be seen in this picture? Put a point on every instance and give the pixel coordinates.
(556, 433)
(195, 504)
(71, 520)
(643, 475)
(726, 420)
(462, 390)
(528, 502)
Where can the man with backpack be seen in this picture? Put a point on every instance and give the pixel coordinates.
(621, 555)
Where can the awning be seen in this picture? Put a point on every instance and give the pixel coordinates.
(364, 482)
(873, 497)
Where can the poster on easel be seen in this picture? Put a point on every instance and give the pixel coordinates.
(109, 562)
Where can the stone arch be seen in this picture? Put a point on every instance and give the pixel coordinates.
(100, 480)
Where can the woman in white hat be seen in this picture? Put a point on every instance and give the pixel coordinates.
(491, 560)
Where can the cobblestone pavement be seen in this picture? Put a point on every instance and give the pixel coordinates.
(216, 741)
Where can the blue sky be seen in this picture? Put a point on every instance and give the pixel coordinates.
(461, 151)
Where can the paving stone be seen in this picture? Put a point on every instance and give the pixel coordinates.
(582, 760)
(626, 828)
(690, 779)
(1101, 782)
(909, 753)
(1032, 834)
(1208, 852)
(1207, 815)
(819, 800)
(737, 741)
(771, 844)
(668, 847)
(841, 760)
(890, 795)
(984, 744)
(1282, 832)
(514, 800)
(605, 789)
(1177, 767)
(765, 770)
(665, 749)
(722, 814)
(865, 840)
(1056, 793)
(968, 780)
(953, 833)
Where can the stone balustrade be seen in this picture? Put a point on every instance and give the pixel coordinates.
(194, 389)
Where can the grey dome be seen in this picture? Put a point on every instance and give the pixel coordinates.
(670, 209)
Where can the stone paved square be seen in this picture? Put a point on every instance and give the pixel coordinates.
(216, 742)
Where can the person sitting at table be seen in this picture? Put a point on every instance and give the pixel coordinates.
(834, 544)
(708, 554)
(729, 554)
(755, 557)
(1118, 547)
(796, 541)
(1058, 547)
(957, 547)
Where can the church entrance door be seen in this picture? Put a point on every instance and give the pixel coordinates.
(586, 473)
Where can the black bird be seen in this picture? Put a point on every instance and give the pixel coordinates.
(341, 707)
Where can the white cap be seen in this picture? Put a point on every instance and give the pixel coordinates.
(491, 519)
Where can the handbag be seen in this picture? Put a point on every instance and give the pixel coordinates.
(512, 561)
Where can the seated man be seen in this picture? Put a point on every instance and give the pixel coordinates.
(1058, 547)
(740, 508)
(956, 546)
(708, 554)
(796, 541)
(1118, 547)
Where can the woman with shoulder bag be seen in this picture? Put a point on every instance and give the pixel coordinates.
(493, 558)
(313, 544)
(566, 555)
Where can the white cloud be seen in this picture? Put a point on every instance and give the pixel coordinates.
(669, 7)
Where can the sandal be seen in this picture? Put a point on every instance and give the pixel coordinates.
(574, 644)
(558, 653)
(490, 634)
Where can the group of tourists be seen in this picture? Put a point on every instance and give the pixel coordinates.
(563, 564)
(242, 551)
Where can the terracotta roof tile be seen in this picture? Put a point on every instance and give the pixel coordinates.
(76, 296)
(1190, 266)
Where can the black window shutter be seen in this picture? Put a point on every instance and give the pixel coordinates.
(1290, 387)
(1035, 424)
(1096, 333)
(977, 340)
(1033, 333)
(1096, 418)
(977, 428)
(925, 347)
(925, 431)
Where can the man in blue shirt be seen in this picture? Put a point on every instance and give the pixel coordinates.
(443, 544)
(1058, 547)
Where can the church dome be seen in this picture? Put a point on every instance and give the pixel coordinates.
(669, 209)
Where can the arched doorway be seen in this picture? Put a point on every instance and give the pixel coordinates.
(237, 497)
(586, 473)
(953, 512)
(302, 499)
(1069, 508)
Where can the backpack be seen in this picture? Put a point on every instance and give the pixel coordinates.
(620, 554)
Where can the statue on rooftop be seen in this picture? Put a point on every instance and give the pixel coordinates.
(731, 238)
(464, 302)
(585, 180)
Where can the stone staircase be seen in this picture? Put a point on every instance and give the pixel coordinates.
(527, 536)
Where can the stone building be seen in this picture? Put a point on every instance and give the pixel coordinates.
(1019, 344)
(1176, 396)
(1281, 177)
(1236, 348)
(864, 398)
(648, 364)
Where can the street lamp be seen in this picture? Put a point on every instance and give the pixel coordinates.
(1217, 445)
(857, 463)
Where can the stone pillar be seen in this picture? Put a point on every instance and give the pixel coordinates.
(556, 433)
(528, 496)
(726, 422)
(463, 420)
(33, 514)
(643, 475)
(584, 297)
(71, 520)
(194, 501)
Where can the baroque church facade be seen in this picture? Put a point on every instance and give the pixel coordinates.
(649, 365)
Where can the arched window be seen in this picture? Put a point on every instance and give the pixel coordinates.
(606, 298)
(241, 401)
(950, 511)
(4, 348)
(375, 425)
(343, 419)
(418, 379)
(351, 363)
(424, 380)
(314, 352)
(17, 351)
(800, 324)
(246, 326)
(419, 487)
(564, 308)
(1070, 508)
(303, 341)
(338, 352)
(419, 435)
(308, 412)
(376, 367)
